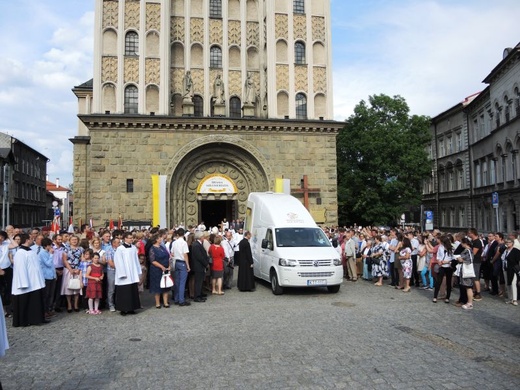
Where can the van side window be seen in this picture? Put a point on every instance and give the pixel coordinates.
(269, 238)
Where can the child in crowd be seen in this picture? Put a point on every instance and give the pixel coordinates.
(86, 260)
(94, 288)
(142, 278)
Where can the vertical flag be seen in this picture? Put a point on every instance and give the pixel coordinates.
(159, 200)
(111, 225)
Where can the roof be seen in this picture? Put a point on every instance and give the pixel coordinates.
(53, 187)
(86, 85)
(509, 55)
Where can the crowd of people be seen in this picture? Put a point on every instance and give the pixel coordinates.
(90, 271)
(433, 261)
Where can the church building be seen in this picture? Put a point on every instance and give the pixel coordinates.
(196, 103)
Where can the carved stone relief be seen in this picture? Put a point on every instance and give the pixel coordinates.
(282, 77)
(235, 83)
(131, 70)
(234, 33)
(110, 14)
(318, 29)
(253, 36)
(132, 13)
(301, 78)
(282, 26)
(320, 79)
(177, 76)
(198, 81)
(153, 69)
(197, 30)
(153, 16)
(177, 29)
(215, 31)
(109, 69)
(300, 27)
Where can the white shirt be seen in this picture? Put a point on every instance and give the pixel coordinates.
(229, 247)
(4, 255)
(27, 273)
(179, 249)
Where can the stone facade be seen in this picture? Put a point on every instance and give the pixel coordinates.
(285, 132)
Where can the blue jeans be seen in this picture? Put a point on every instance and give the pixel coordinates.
(423, 276)
(181, 275)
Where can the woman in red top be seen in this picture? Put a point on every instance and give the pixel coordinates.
(217, 266)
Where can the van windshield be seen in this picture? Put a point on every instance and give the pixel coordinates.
(300, 237)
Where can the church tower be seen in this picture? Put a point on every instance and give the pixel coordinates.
(217, 98)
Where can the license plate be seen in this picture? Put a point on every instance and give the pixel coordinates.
(317, 282)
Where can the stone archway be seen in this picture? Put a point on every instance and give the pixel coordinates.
(221, 157)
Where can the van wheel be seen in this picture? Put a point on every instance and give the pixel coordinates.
(275, 287)
(333, 289)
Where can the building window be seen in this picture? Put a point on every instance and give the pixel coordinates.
(441, 148)
(507, 103)
(450, 181)
(450, 145)
(234, 107)
(299, 53)
(215, 57)
(492, 171)
(301, 106)
(478, 177)
(129, 185)
(513, 165)
(299, 6)
(504, 168)
(460, 180)
(131, 43)
(461, 217)
(458, 142)
(131, 100)
(215, 8)
(198, 104)
(484, 173)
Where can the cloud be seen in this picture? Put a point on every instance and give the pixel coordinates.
(433, 53)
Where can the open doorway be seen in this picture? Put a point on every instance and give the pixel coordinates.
(212, 212)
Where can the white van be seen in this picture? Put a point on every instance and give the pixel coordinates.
(289, 249)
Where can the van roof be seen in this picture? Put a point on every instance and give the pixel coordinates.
(280, 210)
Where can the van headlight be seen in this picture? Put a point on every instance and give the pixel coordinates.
(287, 263)
(336, 262)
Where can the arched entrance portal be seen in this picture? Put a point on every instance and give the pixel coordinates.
(192, 202)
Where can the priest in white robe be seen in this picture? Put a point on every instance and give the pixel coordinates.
(128, 271)
(28, 286)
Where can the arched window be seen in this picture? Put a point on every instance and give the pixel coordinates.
(215, 57)
(299, 53)
(131, 100)
(198, 103)
(299, 6)
(234, 107)
(215, 8)
(301, 106)
(131, 43)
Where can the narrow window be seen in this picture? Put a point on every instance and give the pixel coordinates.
(299, 6)
(129, 185)
(234, 107)
(301, 106)
(215, 57)
(131, 100)
(215, 8)
(198, 103)
(299, 53)
(131, 43)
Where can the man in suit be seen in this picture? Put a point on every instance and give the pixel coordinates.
(200, 263)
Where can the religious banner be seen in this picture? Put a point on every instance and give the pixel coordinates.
(217, 184)
(159, 200)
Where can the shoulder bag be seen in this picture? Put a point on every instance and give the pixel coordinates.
(166, 280)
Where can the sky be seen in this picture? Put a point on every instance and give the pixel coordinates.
(433, 53)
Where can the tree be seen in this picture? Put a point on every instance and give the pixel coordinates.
(382, 161)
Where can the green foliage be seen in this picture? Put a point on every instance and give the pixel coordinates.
(382, 161)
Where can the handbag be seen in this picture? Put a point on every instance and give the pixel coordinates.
(468, 271)
(166, 280)
(74, 283)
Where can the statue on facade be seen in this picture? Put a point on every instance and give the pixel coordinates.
(250, 90)
(218, 90)
(188, 85)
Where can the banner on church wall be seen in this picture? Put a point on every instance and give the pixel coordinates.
(159, 200)
(217, 184)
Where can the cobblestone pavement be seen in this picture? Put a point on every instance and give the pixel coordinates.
(363, 337)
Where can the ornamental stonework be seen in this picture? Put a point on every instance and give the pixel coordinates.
(176, 77)
(110, 14)
(318, 29)
(153, 16)
(301, 78)
(234, 32)
(152, 71)
(300, 27)
(177, 29)
(132, 14)
(109, 69)
(197, 30)
(235, 83)
(215, 31)
(282, 26)
(282, 77)
(253, 35)
(320, 79)
(198, 81)
(131, 70)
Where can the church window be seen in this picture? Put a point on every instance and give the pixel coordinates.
(215, 57)
(234, 107)
(299, 6)
(129, 185)
(131, 100)
(301, 106)
(198, 106)
(215, 8)
(131, 43)
(299, 53)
